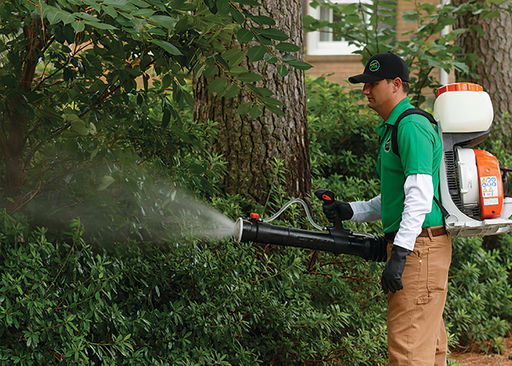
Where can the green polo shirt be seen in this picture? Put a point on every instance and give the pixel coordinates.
(420, 151)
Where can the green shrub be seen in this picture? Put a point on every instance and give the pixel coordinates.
(186, 302)
(342, 132)
(479, 300)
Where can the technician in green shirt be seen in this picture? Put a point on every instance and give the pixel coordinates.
(415, 277)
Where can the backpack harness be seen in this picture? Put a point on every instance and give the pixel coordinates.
(394, 143)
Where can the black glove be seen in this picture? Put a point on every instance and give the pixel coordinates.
(339, 209)
(392, 274)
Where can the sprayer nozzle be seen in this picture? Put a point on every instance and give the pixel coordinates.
(239, 228)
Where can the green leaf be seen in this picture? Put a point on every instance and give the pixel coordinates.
(288, 58)
(93, 4)
(99, 25)
(142, 13)
(244, 35)
(492, 14)
(173, 50)
(78, 26)
(110, 10)
(273, 33)
(231, 91)
(256, 111)
(270, 58)
(287, 47)
(349, 9)
(256, 53)
(244, 108)
(211, 71)
(223, 7)
(248, 2)
(263, 92)
(217, 85)
(272, 101)
(478, 29)
(116, 3)
(106, 181)
(163, 20)
(263, 20)
(86, 16)
(274, 109)
(234, 56)
(237, 70)
(300, 65)
(166, 118)
(250, 77)
(237, 16)
(282, 70)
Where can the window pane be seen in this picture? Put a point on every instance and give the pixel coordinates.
(336, 37)
(325, 32)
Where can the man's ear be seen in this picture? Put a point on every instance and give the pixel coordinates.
(397, 84)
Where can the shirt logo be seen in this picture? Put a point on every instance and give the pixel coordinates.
(387, 145)
(374, 65)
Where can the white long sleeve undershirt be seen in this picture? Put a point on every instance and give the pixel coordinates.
(419, 192)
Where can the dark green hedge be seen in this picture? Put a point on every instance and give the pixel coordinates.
(182, 303)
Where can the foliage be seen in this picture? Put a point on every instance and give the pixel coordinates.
(81, 80)
(181, 303)
(370, 27)
(480, 294)
(342, 131)
(343, 143)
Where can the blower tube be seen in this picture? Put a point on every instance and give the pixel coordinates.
(337, 240)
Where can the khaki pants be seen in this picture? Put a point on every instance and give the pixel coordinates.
(416, 333)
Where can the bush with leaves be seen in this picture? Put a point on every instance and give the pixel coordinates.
(187, 302)
(479, 300)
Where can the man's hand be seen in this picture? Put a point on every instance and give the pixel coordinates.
(392, 274)
(339, 209)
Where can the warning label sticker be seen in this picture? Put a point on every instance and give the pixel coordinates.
(491, 201)
(489, 186)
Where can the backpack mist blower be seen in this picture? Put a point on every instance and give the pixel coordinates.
(472, 185)
(335, 239)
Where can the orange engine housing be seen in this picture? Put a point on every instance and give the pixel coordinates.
(491, 186)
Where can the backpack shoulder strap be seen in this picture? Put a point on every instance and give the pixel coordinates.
(394, 143)
(394, 133)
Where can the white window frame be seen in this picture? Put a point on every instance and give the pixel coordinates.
(315, 47)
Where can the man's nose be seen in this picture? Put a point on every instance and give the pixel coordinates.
(366, 89)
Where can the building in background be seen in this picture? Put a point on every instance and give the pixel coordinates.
(331, 55)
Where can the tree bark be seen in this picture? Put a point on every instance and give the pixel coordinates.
(493, 52)
(13, 121)
(250, 146)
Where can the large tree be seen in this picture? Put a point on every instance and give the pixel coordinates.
(490, 44)
(265, 144)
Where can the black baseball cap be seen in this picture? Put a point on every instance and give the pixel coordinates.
(382, 66)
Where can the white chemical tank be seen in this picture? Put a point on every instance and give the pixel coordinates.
(463, 107)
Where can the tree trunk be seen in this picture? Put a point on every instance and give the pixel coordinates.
(493, 52)
(13, 122)
(250, 146)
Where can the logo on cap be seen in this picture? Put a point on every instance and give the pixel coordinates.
(374, 66)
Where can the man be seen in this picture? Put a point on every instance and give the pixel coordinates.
(415, 277)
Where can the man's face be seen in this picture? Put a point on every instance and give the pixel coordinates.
(378, 94)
